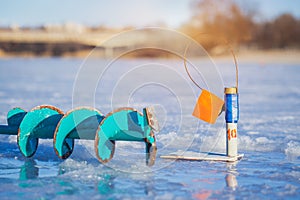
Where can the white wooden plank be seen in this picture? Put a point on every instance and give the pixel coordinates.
(194, 156)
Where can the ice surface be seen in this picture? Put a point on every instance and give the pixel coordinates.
(268, 132)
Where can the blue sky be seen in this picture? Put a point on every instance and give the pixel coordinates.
(119, 13)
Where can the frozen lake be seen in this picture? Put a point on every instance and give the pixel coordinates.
(269, 130)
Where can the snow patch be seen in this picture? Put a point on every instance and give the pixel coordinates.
(292, 151)
(257, 144)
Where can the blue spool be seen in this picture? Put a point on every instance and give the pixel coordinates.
(232, 108)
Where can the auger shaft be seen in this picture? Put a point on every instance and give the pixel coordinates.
(8, 130)
(85, 134)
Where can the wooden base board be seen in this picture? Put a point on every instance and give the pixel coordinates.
(194, 156)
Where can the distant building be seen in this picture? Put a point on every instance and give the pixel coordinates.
(67, 27)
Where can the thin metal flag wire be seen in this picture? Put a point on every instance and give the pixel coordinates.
(236, 67)
(235, 63)
(186, 69)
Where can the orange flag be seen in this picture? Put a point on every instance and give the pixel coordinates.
(208, 107)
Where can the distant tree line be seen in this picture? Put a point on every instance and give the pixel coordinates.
(283, 32)
(43, 48)
(216, 22)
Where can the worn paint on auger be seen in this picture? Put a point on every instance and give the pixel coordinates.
(125, 124)
(47, 122)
